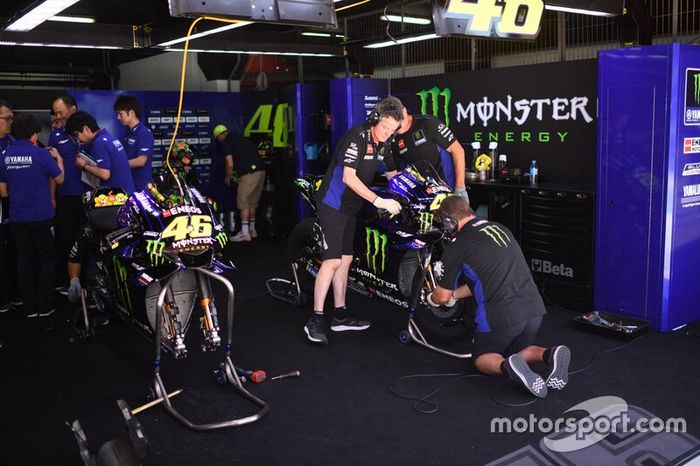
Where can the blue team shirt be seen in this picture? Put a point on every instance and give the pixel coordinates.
(68, 148)
(139, 141)
(26, 169)
(108, 152)
(5, 142)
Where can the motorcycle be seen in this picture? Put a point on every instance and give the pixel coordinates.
(395, 258)
(156, 254)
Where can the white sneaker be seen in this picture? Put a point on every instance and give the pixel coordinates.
(240, 237)
(253, 233)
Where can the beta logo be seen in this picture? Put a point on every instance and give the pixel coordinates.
(545, 266)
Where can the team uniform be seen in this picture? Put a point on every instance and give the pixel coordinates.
(337, 204)
(138, 141)
(509, 308)
(26, 169)
(68, 199)
(421, 143)
(8, 274)
(250, 169)
(108, 152)
(5, 142)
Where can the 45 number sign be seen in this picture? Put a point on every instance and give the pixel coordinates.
(498, 18)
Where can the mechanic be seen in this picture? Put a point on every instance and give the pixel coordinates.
(339, 199)
(418, 142)
(485, 262)
(138, 140)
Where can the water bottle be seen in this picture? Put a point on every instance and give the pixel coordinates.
(492, 153)
(534, 173)
(502, 163)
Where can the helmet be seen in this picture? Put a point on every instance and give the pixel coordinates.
(181, 155)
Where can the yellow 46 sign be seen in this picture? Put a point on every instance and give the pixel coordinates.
(183, 226)
(498, 18)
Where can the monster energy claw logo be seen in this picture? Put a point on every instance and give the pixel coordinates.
(376, 250)
(435, 93)
(696, 88)
(122, 284)
(154, 249)
(222, 238)
(496, 234)
(426, 221)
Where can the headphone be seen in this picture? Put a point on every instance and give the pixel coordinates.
(388, 106)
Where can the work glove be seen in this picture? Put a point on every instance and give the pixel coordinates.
(389, 205)
(462, 192)
(452, 301)
(74, 290)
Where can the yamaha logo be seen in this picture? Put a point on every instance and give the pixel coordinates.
(545, 266)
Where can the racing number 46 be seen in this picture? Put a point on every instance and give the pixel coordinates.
(511, 17)
(182, 227)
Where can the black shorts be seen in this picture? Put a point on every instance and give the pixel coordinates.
(338, 232)
(509, 340)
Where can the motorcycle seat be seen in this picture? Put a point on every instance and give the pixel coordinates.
(104, 218)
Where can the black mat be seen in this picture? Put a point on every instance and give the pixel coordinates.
(338, 412)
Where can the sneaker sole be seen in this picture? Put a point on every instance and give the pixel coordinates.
(46, 314)
(343, 328)
(559, 376)
(315, 340)
(532, 382)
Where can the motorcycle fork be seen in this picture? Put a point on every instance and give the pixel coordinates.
(209, 321)
(422, 278)
(173, 325)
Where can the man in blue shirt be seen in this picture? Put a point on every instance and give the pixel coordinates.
(111, 164)
(8, 286)
(6, 116)
(138, 140)
(68, 195)
(25, 172)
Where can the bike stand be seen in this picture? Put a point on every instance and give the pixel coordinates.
(414, 333)
(291, 293)
(231, 375)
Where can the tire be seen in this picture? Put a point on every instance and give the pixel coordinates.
(303, 239)
(444, 325)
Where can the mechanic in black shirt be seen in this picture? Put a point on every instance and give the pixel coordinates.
(418, 141)
(485, 261)
(342, 193)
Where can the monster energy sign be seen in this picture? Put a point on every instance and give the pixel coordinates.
(154, 249)
(121, 276)
(497, 234)
(376, 243)
(691, 114)
(426, 221)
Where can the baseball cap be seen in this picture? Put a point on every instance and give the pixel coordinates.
(218, 129)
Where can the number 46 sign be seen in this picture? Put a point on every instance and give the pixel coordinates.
(497, 18)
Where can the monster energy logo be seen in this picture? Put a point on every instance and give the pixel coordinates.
(426, 221)
(154, 249)
(435, 93)
(496, 234)
(122, 284)
(222, 238)
(376, 250)
(696, 87)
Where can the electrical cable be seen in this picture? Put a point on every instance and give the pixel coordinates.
(253, 296)
(388, 23)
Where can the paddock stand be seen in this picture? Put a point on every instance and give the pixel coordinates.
(291, 292)
(230, 370)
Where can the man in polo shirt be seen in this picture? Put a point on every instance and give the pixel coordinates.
(485, 262)
(69, 205)
(8, 286)
(111, 164)
(25, 172)
(138, 140)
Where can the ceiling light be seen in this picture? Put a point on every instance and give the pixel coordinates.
(405, 40)
(72, 46)
(72, 19)
(206, 33)
(404, 19)
(253, 52)
(579, 11)
(39, 13)
(317, 34)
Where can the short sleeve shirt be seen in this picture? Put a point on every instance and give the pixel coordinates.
(68, 148)
(245, 154)
(486, 256)
(5, 142)
(108, 152)
(27, 169)
(421, 141)
(357, 150)
(138, 141)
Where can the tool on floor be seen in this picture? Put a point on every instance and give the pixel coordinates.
(288, 374)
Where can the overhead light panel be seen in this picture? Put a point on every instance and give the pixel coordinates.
(404, 19)
(579, 11)
(206, 33)
(37, 13)
(72, 19)
(318, 34)
(61, 46)
(405, 40)
(253, 52)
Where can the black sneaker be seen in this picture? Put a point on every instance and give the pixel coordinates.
(520, 372)
(348, 323)
(558, 363)
(315, 329)
(47, 312)
(4, 307)
(17, 302)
